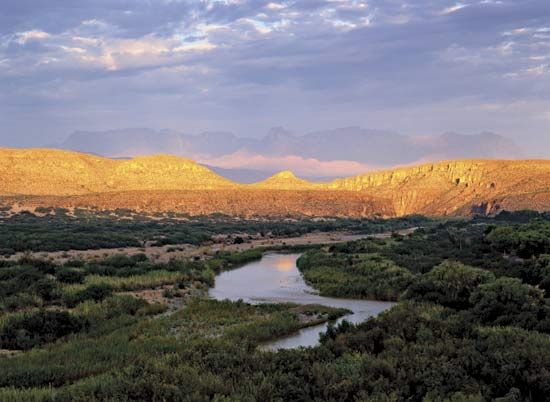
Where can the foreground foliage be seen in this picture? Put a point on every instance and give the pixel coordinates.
(472, 324)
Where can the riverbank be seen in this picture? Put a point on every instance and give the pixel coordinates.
(176, 251)
(276, 279)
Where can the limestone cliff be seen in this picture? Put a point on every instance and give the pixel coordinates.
(459, 187)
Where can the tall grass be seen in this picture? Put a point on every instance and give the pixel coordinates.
(12, 394)
(135, 282)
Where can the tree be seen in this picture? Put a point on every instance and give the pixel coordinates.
(450, 284)
(508, 301)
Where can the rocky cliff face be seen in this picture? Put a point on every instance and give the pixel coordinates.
(165, 182)
(464, 187)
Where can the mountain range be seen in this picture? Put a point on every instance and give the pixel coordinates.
(330, 153)
(46, 177)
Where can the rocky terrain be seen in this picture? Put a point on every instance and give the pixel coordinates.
(45, 177)
(462, 187)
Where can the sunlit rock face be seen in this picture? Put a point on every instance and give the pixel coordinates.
(168, 183)
(286, 180)
(459, 187)
(55, 172)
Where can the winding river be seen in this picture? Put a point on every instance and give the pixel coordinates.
(276, 279)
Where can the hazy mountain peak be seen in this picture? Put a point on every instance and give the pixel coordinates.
(279, 131)
(352, 145)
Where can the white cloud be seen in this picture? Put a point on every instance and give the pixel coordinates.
(302, 166)
(24, 37)
(275, 6)
(453, 9)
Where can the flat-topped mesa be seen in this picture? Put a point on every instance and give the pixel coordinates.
(286, 180)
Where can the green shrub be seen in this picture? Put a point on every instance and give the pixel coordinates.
(70, 275)
(449, 284)
(28, 330)
(95, 292)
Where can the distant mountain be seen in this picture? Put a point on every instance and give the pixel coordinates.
(373, 147)
(46, 177)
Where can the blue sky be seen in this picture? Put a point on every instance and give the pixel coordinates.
(418, 67)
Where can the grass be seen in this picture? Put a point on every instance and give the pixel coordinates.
(123, 340)
(12, 394)
(135, 282)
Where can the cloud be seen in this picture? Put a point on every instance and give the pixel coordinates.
(309, 167)
(250, 64)
(24, 37)
(453, 9)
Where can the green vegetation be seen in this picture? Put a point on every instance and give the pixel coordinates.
(472, 324)
(28, 330)
(525, 241)
(367, 276)
(84, 230)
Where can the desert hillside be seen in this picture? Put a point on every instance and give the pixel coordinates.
(459, 187)
(56, 172)
(162, 182)
(286, 180)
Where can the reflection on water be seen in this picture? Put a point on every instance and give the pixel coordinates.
(285, 263)
(275, 278)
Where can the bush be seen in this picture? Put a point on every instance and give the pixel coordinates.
(450, 284)
(93, 292)
(29, 330)
(68, 275)
(508, 301)
(47, 289)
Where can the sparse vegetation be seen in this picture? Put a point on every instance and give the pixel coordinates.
(85, 230)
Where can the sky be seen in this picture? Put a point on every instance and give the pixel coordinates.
(418, 67)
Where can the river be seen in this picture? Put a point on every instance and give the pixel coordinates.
(276, 279)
